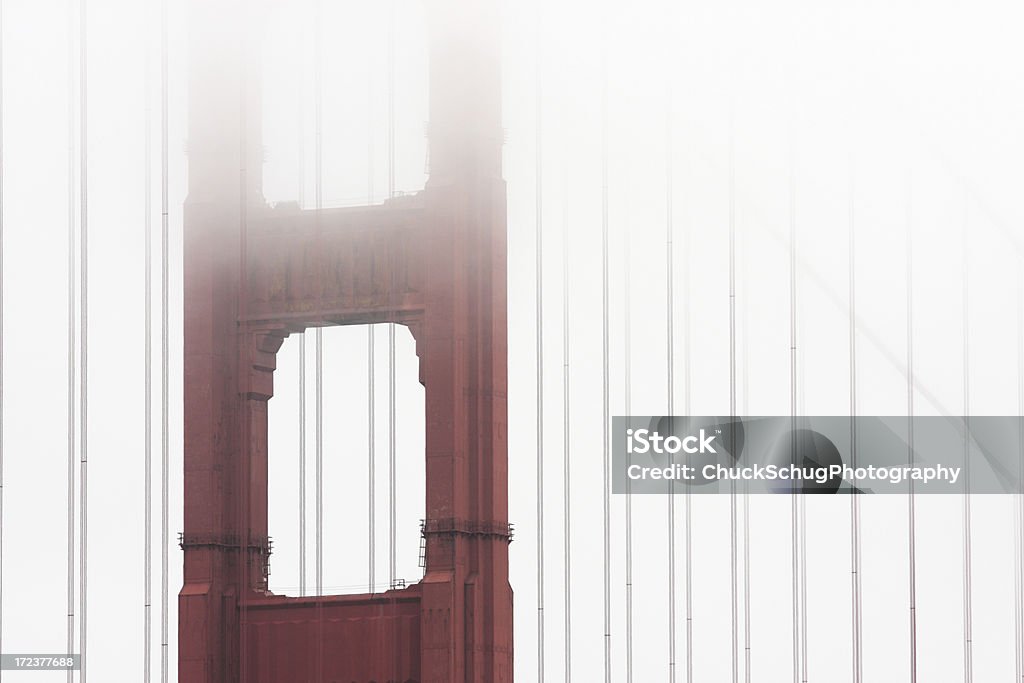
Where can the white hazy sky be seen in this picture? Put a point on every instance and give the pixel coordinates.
(825, 115)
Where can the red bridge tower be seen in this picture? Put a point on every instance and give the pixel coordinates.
(434, 262)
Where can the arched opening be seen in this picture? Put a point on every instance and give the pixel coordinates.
(356, 442)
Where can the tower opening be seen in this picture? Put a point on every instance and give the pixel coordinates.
(355, 435)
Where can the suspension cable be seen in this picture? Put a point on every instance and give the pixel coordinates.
(319, 455)
(243, 468)
(794, 495)
(165, 354)
(302, 463)
(1019, 512)
(392, 427)
(371, 371)
(855, 541)
(670, 388)
(747, 646)
(627, 407)
(1, 328)
(392, 466)
(605, 396)
(732, 396)
(83, 341)
(318, 407)
(911, 507)
(392, 514)
(392, 470)
(147, 223)
(371, 466)
(968, 647)
(687, 409)
(539, 306)
(72, 426)
(566, 485)
(301, 339)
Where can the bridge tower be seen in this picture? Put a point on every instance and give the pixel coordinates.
(253, 274)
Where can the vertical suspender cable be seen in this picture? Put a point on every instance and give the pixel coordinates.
(165, 355)
(392, 469)
(539, 240)
(1019, 511)
(71, 352)
(392, 9)
(605, 397)
(968, 648)
(794, 495)
(802, 501)
(687, 408)
(392, 512)
(371, 466)
(732, 396)
(1, 329)
(318, 407)
(566, 480)
(911, 507)
(392, 427)
(319, 455)
(371, 365)
(371, 368)
(670, 388)
(627, 365)
(302, 474)
(627, 400)
(83, 340)
(855, 541)
(244, 466)
(747, 651)
(302, 463)
(147, 226)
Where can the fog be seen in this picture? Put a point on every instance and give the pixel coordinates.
(895, 119)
